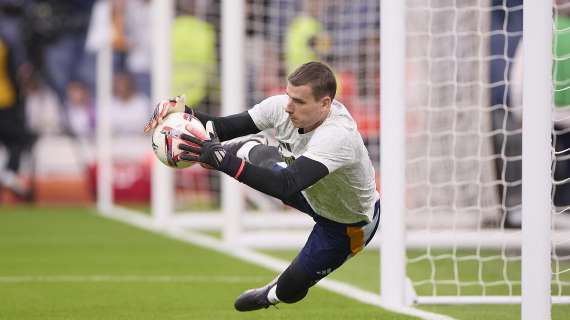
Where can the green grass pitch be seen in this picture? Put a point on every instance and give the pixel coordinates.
(70, 264)
(67, 263)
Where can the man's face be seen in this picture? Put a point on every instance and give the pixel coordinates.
(304, 111)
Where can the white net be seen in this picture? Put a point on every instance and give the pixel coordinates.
(452, 187)
(464, 150)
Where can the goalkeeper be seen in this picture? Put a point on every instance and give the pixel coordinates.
(321, 168)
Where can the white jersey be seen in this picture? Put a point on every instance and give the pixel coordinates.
(348, 193)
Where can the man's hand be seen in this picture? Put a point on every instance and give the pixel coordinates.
(209, 152)
(164, 108)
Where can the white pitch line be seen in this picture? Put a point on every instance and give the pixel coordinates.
(271, 263)
(129, 279)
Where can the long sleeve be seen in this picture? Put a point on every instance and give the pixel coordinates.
(228, 127)
(282, 184)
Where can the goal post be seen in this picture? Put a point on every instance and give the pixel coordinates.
(103, 129)
(162, 190)
(392, 166)
(233, 101)
(536, 160)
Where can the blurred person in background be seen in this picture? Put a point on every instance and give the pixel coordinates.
(15, 75)
(57, 33)
(81, 109)
(129, 108)
(131, 38)
(306, 39)
(194, 61)
(263, 69)
(119, 41)
(138, 31)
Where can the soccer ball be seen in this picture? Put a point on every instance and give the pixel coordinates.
(166, 138)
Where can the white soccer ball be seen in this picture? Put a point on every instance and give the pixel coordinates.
(166, 138)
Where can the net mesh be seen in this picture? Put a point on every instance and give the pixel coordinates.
(464, 147)
(451, 181)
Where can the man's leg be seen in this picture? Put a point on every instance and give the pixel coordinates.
(321, 255)
(255, 150)
(264, 156)
(289, 287)
(17, 139)
(330, 244)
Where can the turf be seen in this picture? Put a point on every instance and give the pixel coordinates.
(67, 263)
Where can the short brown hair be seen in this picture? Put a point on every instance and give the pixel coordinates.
(318, 76)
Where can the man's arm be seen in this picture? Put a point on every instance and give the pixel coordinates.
(228, 127)
(281, 184)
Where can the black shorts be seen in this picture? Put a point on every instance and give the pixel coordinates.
(331, 243)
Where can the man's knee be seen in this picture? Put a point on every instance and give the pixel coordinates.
(264, 156)
(293, 284)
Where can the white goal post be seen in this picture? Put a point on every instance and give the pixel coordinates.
(446, 158)
(537, 160)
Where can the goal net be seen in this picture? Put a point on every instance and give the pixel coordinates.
(464, 152)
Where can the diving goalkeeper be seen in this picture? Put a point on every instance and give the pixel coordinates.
(321, 168)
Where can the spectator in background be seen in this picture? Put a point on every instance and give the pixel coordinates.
(81, 109)
(138, 35)
(263, 68)
(119, 40)
(131, 36)
(129, 108)
(57, 37)
(193, 54)
(306, 39)
(15, 74)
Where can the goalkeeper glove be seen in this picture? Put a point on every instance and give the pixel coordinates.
(164, 108)
(210, 153)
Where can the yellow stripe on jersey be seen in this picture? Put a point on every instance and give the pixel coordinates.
(356, 235)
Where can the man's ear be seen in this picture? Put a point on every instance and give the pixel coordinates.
(326, 101)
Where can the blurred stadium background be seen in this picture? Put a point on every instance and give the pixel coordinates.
(64, 88)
